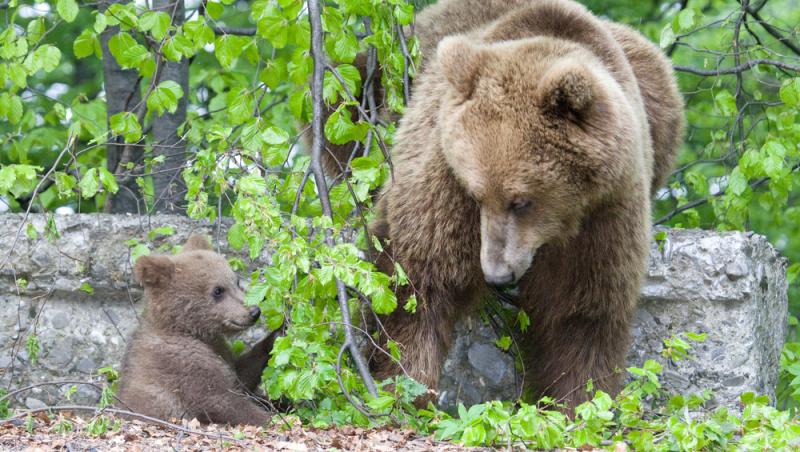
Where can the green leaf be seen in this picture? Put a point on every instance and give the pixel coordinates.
(404, 13)
(790, 92)
(128, 53)
(236, 236)
(31, 232)
(241, 105)
(100, 23)
(49, 56)
(684, 21)
(18, 179)
(411, 304)
(67, 9)
(381, 403)
(667, 37)
(86, 287)
(725, 103)
(36, 29)
(339, 129)
(85, 44)
(274, 73)
(365, 169)
(157, 23)
(165, 97)
(108, 180)
(342, 47)
(273, 135)
(737, 183)
(11, 107)
(523, 320)
(384, 301)
(271, 25)
(126, 124)
(503, 343)
(227, 48)
(89, 183)
(252, 184)
(214, 9)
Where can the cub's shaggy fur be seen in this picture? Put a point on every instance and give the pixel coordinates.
(534, 138)
(178, 364)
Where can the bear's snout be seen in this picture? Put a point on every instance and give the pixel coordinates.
(255, 313)
(499, 279)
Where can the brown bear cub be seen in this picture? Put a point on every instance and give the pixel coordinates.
(178, 364)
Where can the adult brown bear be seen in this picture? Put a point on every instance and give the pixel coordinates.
(534, 138)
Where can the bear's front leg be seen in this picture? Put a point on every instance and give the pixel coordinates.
(581, 298)
(249, 366)
(568, 353)
(210, 391)
(424, 337)
(433, 232)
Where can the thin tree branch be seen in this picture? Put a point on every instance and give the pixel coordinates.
(234, 31)
(318, 144)
(736, 69)
(698, 202)
(127, 413)
(772, 30)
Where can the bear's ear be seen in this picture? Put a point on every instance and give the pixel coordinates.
(461, 63)
(197, 242)
(567, 88)
(154, 271)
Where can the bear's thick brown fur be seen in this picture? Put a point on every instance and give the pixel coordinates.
(534, 138)
(178, 364)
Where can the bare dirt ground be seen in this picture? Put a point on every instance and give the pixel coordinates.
(133, 435)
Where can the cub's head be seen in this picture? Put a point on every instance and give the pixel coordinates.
(536, 131)
(194, 292)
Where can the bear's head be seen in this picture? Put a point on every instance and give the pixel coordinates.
(537, 132)
(194, 292)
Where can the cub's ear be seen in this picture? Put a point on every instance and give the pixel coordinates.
(197, 242)
(462, 63)
(154, 271)
(567, 88)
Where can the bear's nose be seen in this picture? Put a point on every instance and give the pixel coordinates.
(500, 280)
(255, 313)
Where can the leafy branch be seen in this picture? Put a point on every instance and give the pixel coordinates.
(319, 57)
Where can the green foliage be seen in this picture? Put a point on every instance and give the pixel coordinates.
(641, 416)
(4, 404)
(32, 347)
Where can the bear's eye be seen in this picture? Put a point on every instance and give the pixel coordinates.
(519, 205)
(218, 291)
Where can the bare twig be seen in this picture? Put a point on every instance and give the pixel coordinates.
(130, 414)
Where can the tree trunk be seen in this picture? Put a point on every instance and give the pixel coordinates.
(122, 94)
(168, 186)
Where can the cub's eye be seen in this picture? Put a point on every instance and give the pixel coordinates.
(519, 205)
(218, 291)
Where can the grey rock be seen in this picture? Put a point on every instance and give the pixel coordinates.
(484, 358)
(34, 404)
(729, 285)
(86, 366)
(60, 321)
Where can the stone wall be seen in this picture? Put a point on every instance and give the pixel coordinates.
(730, 285)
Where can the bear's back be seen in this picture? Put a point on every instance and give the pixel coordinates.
(642, 70)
